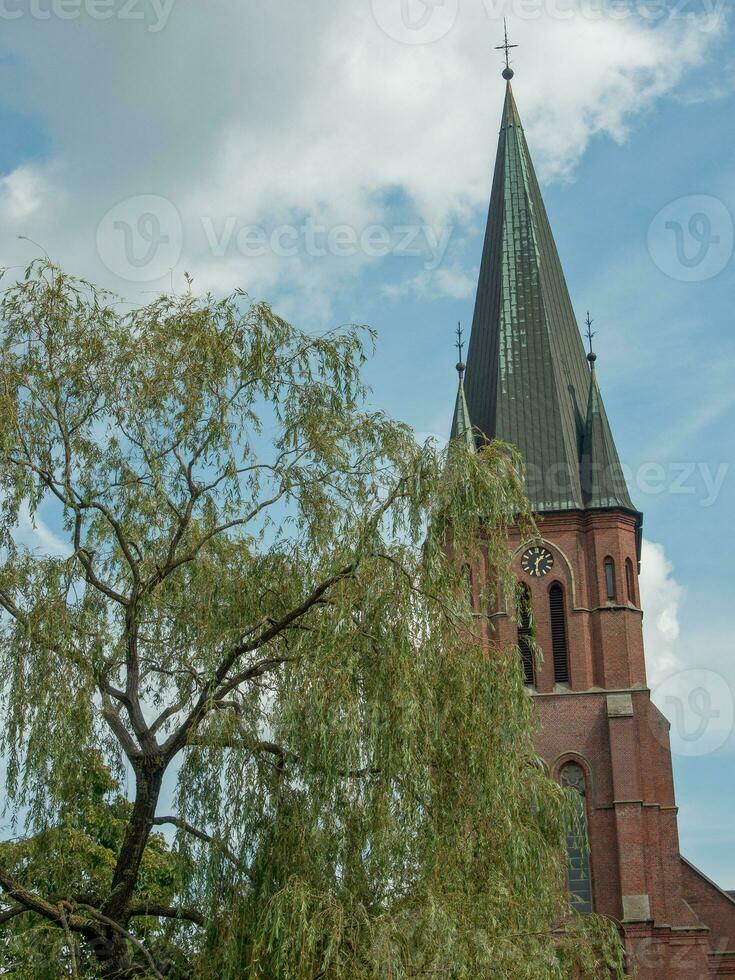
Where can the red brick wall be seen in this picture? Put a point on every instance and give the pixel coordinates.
(622, 744)
(714, 907)
(605, 637)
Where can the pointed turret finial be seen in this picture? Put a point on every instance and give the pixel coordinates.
(461, 424)
(459, 344)
(506, 46)
(591, 357)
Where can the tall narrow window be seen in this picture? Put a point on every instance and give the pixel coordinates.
(578, 853)
(610, 578)
(558, 634)
(630, 580)
(524, 613)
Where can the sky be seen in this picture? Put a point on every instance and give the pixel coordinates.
(336, 160)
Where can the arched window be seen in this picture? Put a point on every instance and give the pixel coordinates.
(524, 618)
(630, 580)
(578, 852)
(610, 578)
(558, 620)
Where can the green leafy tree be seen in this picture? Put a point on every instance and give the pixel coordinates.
(262, 601)
(76, 856)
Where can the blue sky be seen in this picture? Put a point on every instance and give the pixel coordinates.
(299, 153)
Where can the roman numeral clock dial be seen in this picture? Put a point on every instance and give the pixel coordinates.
(537, 562)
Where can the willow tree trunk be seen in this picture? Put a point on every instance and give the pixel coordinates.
(113, 955)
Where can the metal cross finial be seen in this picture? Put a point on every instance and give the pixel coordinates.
(506, 46)
(591, 357)
(459, 344)
(590, 332)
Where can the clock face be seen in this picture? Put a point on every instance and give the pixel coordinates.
(537, 562)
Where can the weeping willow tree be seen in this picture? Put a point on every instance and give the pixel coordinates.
(252, 619)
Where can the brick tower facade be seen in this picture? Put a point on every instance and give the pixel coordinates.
(529, 383)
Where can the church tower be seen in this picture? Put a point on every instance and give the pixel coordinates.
(529, 381)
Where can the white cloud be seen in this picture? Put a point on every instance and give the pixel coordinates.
(22, 193)
(35, 534)
(690, 676)
(267, 114)
(450, 280)
(422, 436)
(661, 599)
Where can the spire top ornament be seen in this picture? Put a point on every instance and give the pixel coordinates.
(506, 46)
(459, 344)
(591, 357)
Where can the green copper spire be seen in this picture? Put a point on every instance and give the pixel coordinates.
(603, 485)
(461, 423)
(527, 380)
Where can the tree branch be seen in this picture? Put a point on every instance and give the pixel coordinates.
(22, 619)
(250, 674)
(93, 504)
(220, 685)
(200, 835)
(191, 554)
(167, 912)
(8, 914)
(79, 551)
(116, 725)
(32, 902)
(127, 935)
(216, 689)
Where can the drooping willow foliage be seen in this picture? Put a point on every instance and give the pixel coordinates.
(257, 622)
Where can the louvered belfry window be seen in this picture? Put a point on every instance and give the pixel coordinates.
(558, 620)
(524, 611)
